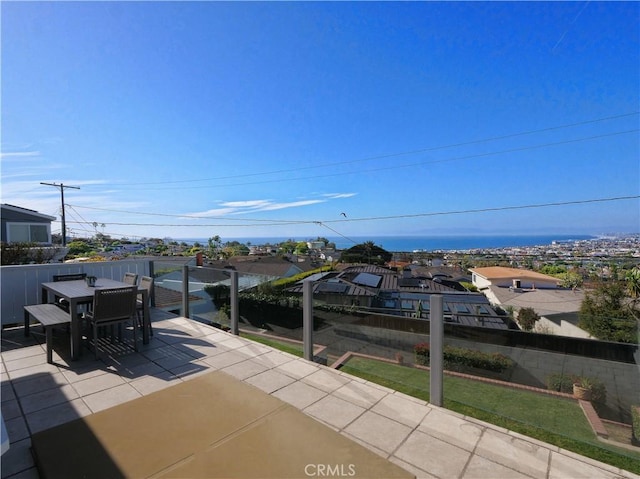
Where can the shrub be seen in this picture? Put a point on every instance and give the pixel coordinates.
(527, 318)
(496, 362)
(564, 383)
(559, 382)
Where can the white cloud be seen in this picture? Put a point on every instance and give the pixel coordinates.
(211, 213)
(293, 204)
(246, 204)
(250, 206)
(339, 195)
(19, 155)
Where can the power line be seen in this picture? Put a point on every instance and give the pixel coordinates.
(336, 232)
(394, 167)
(391, 155)
(392, 217)
(486, 210)
(170, 215)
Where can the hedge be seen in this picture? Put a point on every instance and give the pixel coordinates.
(496, 362)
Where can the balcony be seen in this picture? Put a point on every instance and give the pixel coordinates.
(404, 433)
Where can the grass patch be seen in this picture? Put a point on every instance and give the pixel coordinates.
(554, 420)
(280, 345)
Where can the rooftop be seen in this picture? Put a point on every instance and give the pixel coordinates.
(501, 272)
(399, 430)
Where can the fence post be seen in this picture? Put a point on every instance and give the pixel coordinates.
(436, 349)
(185, 291)
(307, 319)
(235, 307)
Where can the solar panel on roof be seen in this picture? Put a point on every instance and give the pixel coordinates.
(332, 288)
(368, 279)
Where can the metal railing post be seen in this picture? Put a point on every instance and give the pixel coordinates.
(307, 320)
(185, 291)
(152, 274)
(235, 307)
(436, 349)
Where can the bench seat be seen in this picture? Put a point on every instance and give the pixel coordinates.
(50, 316)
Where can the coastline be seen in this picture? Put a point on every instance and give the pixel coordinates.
(398, 243)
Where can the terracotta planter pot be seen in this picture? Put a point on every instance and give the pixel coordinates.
(581, 393)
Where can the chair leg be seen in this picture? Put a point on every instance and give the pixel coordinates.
(135, 338)
(49, 340)
(95, 339)
(141, 321)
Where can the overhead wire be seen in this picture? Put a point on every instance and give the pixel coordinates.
(395, 167)
(389, 155)
(391, 217)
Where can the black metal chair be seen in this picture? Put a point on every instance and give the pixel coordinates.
(110, 307)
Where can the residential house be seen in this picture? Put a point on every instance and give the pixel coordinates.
(511, 277)
(22, 225)
(378, 289)
(518, 288)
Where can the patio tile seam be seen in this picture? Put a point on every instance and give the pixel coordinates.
(21, 410)
(473, 453)
(401, 443)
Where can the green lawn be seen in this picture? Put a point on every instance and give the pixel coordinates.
(280, 345)
(551, 419)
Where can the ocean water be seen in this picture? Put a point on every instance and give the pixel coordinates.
(427, 243)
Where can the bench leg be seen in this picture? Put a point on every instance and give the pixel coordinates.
(26, 323)
(49, 336)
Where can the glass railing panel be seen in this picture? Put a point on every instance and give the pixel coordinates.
(493, 371)
(497, 374)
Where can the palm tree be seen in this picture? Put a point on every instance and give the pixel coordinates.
(633, 283)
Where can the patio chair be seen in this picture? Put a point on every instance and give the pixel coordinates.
(146, 282)
(130, 278)
(61, 302)
(112, 306)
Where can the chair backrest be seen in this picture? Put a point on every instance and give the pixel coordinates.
(146, 282)
(112, 304)
(69, 277)
(130, 278)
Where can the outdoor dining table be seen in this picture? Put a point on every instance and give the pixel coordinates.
(76, 292)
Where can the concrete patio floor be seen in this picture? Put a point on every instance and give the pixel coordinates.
(427, 441)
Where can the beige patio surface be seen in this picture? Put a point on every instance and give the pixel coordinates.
(218, 405)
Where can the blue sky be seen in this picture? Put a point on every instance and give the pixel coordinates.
(188, 120)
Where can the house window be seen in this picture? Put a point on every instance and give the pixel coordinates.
(28, 233)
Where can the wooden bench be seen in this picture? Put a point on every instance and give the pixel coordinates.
(49, 315)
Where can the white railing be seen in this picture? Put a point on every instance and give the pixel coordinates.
(20, 284)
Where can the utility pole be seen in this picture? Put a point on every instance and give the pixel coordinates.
(64, 223)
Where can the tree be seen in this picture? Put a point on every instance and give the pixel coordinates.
(632, 279)
(527, 317)
(214, 246)
(570, 280)
(79, 247)
(366, 252)
(301, 248)
(607, 313)
(234, 248)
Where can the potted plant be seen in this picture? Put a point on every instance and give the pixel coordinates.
(582, 388)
